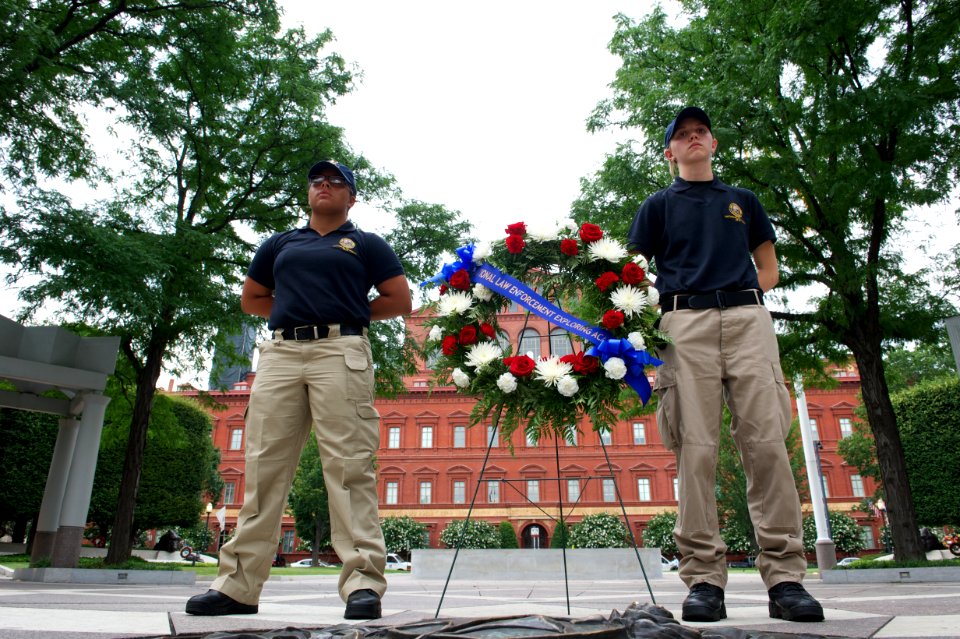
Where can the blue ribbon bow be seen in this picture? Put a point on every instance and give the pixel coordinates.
(465, 253)
(635, 361)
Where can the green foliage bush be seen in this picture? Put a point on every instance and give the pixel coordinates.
(561, 536)
(602, 530)
(472, 534)
(843, 529)
(508, 535)
(659, 533)
(403, 534)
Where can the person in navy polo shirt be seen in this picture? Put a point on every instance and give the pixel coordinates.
(316, 374)
(713, 246)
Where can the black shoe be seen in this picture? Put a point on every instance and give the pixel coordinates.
(215, 603)
(791, 601)
(363, 604)
(704, 603)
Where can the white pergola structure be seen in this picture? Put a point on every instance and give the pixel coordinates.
(36, 359)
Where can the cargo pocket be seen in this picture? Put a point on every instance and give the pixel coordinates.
(782, 393)
(668, 422)
(359, 375)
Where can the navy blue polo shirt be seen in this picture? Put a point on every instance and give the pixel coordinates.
(701, 236)
(322, 279)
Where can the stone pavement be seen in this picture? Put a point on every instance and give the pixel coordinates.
(69, 611)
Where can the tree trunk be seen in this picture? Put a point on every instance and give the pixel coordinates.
(890, 458)
(122, 533)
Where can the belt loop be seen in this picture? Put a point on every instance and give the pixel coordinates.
(721, 300)
(333, 330)
(756, 296)
(675, 298)
(278, 334)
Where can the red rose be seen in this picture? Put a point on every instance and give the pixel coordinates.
(443, 289)
(449, 345)
(521, 365)
(569, 247)
(632, 273)
(612, 319)
(468, 335)
(590, 232)
(515, 243)
(606, 280)
(516, 229)
(586, 364)
(488, 330)
(569, 359)
(460, 280)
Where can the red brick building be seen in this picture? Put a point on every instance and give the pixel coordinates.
(430, 459)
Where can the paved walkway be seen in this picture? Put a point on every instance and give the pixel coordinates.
(65, 611)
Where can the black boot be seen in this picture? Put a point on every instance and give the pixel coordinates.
(363, 604)
(704, 603)
(214, 603)
(791, 601)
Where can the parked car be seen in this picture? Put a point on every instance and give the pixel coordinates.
(669, 564)
(308, 562)
(846, 561)
(394, 562)
(746, 562)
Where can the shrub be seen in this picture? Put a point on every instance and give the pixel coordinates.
(659, 533)
(472, 534)
(843, 529)
(602, 530)
(508, 536)
(403, 534)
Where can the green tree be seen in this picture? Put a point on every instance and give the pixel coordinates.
(403, 534)
(308, 500)
(844, 531)
(470, 534)
(659, 533)
(835, 138)
(602, 530)
(908, 365)
(26, 447)
(508, 535)
(224, 123)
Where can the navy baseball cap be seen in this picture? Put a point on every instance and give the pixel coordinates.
(342, 169)
(689, 112)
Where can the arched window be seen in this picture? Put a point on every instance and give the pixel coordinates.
(529, 343)
(560, 343)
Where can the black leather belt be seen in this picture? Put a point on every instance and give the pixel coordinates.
(317, 331)
(717, 299)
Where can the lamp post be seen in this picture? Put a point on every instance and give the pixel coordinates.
(885, 533)
(207, 537)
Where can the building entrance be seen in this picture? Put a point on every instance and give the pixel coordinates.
(534, 536)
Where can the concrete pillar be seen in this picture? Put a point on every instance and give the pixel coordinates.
(49, 518)
(826, 549)
(76, 498)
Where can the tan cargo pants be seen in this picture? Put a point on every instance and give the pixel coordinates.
(325, 384)
(729, 355)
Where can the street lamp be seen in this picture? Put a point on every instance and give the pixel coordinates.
(885, 533)
(207, 537)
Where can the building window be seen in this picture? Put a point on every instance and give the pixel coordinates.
(560, 343)
(574, 436)
(866, 532)
(426, 437)
(573, 490)
(493, 436)
(393, 437)
(639, 433)
(826, 486)
(814, 431)
(493, 491)
(676, 489)
(856, 481)
(605, 438)
(236, 439)
(609, 491)
(531, 439)
(459, 436)
(533, 490)
(529, 343)
(229, 493)
(643, 489)
(426, 492)
(287, 541)
(846, 427)
(392, 492)
(459, 492)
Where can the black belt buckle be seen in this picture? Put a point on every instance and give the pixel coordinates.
(304, 333)
(721, 299)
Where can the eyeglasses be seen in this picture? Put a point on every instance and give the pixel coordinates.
(683, 134)
(332, 180)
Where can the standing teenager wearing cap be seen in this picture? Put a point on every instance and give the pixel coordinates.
(316, 374)
(713, 248)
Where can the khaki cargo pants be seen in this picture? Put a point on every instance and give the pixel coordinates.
(728, 355)
(326, 386)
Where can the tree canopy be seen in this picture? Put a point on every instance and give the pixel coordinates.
(828, 116)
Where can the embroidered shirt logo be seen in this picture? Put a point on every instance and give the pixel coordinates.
(735, 213)
(346, 244)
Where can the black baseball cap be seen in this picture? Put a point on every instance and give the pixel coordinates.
(342, 169)
(688, 112)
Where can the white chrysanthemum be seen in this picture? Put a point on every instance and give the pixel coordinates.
(653, 296)
(481, 251)
(454, 303)
(636, 340)
(615, 368)
(640, 261)
(606, 249)
(460, 378)
(482, 293)
(629, 299)
(435, 333)
(507, 383)
(542, 231)
(480, 355)
(567, 386)
(569, 225)
(549, 371)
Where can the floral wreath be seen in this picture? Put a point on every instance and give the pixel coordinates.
(579, 272)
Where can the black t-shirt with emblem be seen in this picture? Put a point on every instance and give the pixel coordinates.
(322, 279)
(701, 236)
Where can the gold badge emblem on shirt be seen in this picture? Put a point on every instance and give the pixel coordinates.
(346, 244)
(735, 213)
